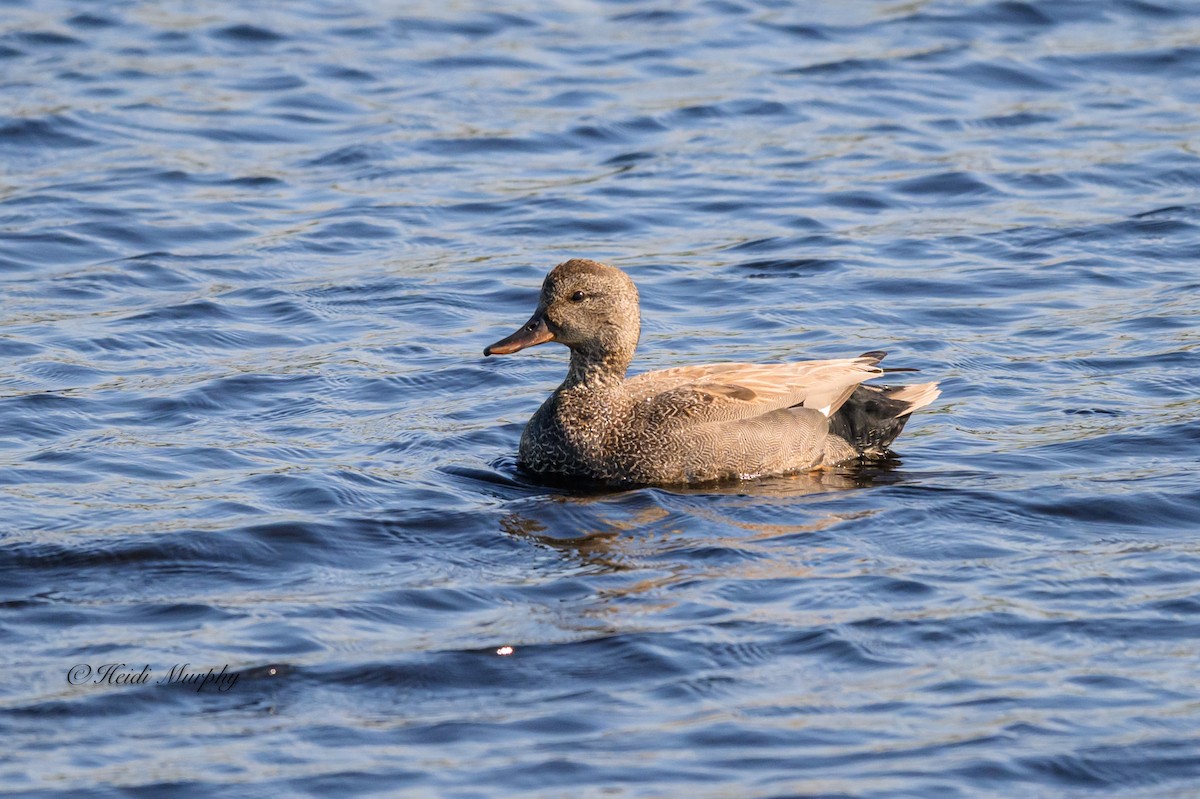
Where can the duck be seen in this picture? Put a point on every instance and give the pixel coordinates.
(691, 424)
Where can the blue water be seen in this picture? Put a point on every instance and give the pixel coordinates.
(251, 253)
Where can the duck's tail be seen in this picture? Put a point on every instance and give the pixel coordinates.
(873, 416)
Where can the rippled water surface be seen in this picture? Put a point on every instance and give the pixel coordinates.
(251, 253)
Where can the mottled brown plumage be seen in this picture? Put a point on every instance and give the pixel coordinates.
(689, 424)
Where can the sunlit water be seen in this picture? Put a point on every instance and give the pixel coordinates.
(251, 253)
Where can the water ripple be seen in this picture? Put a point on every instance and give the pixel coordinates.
(251, 257)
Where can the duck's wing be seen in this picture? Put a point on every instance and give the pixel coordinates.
(720, 391)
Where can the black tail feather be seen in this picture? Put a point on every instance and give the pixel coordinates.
(871, 419)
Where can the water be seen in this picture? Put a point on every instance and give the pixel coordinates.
(251, 253)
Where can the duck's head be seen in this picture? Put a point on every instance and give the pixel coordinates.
(589, 306)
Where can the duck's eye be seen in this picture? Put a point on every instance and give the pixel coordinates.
(577, 296)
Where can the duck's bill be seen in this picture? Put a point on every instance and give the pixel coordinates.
(534, 332)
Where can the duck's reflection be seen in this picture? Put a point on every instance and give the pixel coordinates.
(656, 528)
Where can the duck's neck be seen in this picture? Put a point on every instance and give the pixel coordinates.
(597, 370)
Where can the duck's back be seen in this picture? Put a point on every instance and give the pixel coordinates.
(696, 423)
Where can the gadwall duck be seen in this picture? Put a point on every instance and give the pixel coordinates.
(690, 424)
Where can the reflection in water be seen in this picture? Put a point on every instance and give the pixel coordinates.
(646, 532)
